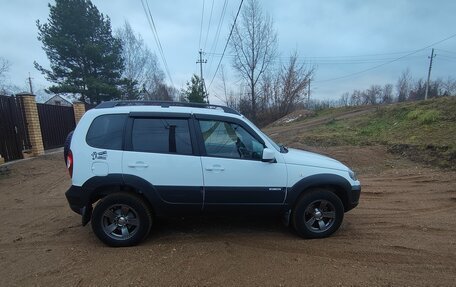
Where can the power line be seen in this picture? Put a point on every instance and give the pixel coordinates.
(329, 58)
(305, 60)
(217, 34)
(209, 25)
(152, 26)
(363, 55)
(387, 63)
(227, 41)
(446, 57)
(446, 51)
(159, 44)
(201, 28)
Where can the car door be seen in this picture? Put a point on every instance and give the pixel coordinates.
(234, 172)
(161, 150)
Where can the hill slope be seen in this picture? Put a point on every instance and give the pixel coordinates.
(424, 131)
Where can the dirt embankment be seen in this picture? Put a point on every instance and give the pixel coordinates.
(402, 234)
(423, 131)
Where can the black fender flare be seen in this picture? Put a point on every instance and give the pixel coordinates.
(100, 186)
(342, 187)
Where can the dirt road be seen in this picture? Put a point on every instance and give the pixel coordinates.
(402, 233)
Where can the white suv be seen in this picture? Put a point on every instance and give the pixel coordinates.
(142, 160)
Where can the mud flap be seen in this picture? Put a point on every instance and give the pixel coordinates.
(86, 213)
(286, 217)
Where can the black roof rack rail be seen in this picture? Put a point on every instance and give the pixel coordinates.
(164, 104)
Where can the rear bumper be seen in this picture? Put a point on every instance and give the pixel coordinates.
(79, 202)
(76, 198)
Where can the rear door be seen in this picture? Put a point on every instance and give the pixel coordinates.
(160, 149)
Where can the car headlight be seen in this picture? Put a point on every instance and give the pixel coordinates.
(352, 175)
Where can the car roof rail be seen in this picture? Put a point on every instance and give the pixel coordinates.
(164, 104)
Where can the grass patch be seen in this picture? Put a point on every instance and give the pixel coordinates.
(426, 129)
(424, 116)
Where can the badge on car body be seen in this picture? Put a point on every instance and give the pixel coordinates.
(100, 155)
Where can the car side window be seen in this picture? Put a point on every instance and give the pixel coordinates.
(224, 139)
(106, 132)
(161, 136)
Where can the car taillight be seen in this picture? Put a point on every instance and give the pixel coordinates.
(70, 163)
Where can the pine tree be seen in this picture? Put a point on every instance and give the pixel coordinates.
(195, 92)
(84, 57)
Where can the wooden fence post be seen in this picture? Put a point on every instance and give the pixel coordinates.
(79, 110)
(32, 122)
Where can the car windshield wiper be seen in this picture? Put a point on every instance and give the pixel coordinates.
(283, 149)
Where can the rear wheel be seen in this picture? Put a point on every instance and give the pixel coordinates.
(318, 213)
(121, 219)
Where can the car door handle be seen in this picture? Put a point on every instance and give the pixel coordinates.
(139, 164)
(215, 167)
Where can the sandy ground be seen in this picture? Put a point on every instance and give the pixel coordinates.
(403, 233)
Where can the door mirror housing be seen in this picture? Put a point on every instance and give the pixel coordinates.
(268, 155)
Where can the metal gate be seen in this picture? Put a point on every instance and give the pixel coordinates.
(13, 132)
(55, 122)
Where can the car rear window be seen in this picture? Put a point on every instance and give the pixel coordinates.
(161, 136)
(106, 132)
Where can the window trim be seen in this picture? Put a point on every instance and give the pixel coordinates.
(236, 121)
(171, 116)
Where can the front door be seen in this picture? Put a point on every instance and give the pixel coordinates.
(233, 171)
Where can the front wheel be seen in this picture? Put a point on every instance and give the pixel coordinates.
(121, 219)
(318, 213)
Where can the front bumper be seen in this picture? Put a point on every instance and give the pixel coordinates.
(354, 197)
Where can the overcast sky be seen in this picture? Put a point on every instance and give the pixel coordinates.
(341, 37)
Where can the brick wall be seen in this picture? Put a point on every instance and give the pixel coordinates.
(79, 110)
(33, 123)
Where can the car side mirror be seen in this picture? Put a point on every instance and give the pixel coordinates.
(268, 155)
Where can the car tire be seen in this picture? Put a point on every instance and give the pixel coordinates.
(121, 219)
(318, 214)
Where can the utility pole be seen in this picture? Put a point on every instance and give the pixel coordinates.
(30, 84)
(429, 73)
(201, 62)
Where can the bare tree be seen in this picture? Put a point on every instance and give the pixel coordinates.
(293, 80)
(232, 100)
(6, 88)
(4, 68)
(344, 99)
(141, 65)
(162, 92)
(254, 43)
(403, 86)
(449, 87)
(387, 94)
(370, 96)
(418, 90)
(356, 98)
(223, 79)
